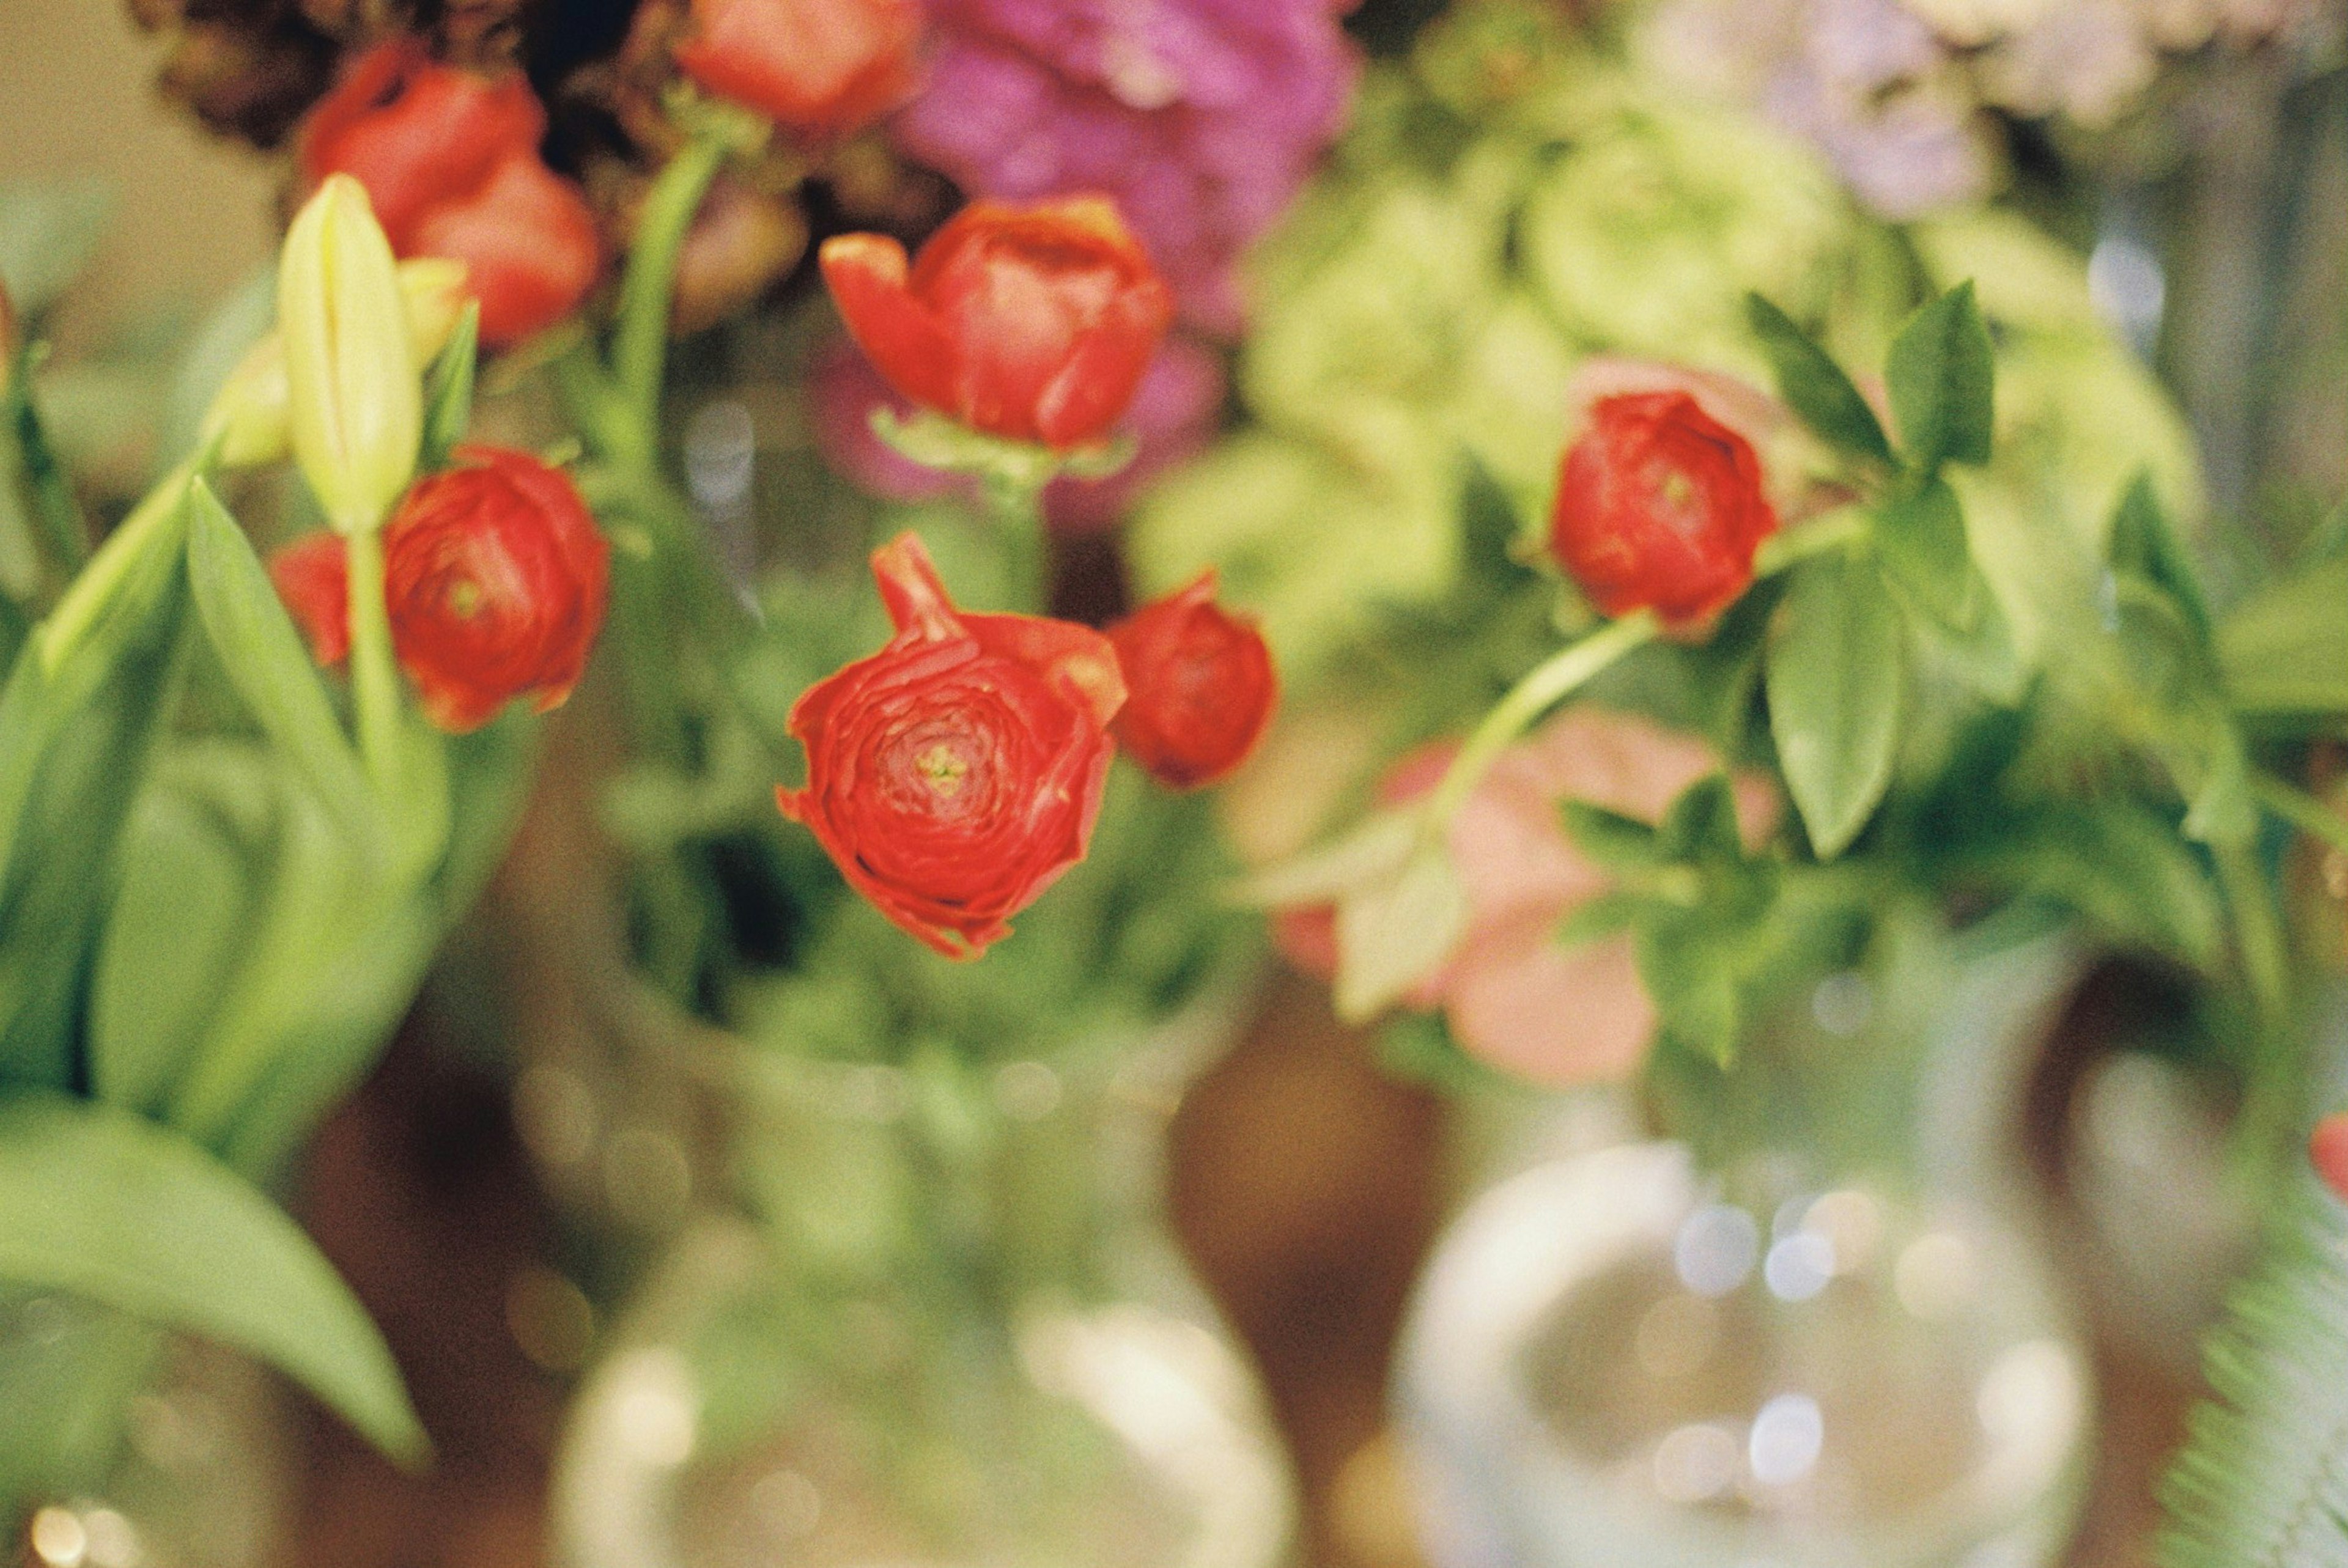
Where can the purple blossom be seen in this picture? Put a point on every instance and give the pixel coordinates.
(1201, 117)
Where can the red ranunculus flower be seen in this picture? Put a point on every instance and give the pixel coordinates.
(495, 576)
(1031, 321)
(824, 66)
(954, 776)
(1660, 507)
(451, 163)
(1200, 683)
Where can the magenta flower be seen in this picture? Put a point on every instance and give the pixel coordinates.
(1201, 117)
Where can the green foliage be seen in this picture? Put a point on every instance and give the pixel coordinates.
(1814, 387)
(1941, 374)
(449, 391)
(125, 1213)
(49, 230)
(2261, 1479)
(1920, 536)
(1836, 672)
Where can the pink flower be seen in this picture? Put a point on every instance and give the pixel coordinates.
(1513, 997)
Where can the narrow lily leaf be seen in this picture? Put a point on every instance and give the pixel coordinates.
(1814, 387)
(1396, 933)
(115, 1208)
(449, 391)
(79, 719)
(1943, 373)
(1836, 672)
(264, 658)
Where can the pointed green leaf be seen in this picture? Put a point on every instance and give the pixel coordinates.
(2145, 545)
(1921, 538)
(1608, 914)
(112, 1207)
(1835, 673)
(1616, 841)
(1701, 825)
(449, 391)
(1943, 373)
(2284, 650)
(1814, 387)
(1693, 987)
(264, 658)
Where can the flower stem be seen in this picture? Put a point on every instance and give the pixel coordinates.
(1550, 682)
(1017, 510)
(375, 676)
(2301, 810)
(1826, 531)
(640, 348)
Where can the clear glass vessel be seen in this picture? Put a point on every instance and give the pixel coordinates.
(123, 1446)
(944, 1324)
(1810, 1350)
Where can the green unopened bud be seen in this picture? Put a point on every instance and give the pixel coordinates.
(249, 415)
(355, 402)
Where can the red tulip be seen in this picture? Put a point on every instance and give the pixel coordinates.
(451, 165)
(1033, 322)
(822, 67)
(1200, 683)
(1660, 507)
(495, 577)
(956, 774)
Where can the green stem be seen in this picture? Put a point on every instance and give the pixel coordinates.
(639, 349)
(1550, 682)
(64, 529)
(1826, 531)
(375, 676)
(2301, 810)
(2270, 1097)
(1017, 510)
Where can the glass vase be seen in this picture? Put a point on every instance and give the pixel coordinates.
(125, 1445)
(1832, 1342)
(943, 1323)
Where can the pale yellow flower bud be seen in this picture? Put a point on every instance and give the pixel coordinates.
(249, 414)
(355, 402)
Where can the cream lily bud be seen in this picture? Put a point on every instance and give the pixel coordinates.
(355, 402)
(249, 415)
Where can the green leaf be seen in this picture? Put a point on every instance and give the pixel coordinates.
(1692, 986)
(79, 718)
(1835, 673)
(2145, 545)
(116, 1209)
(449, 391)
(1920, 538)
(1701, 826)
(265, 660)
(2284, 650)
(49, 230)
(1395, 933)
(1814, 385)
(55, 510)
(1616, 841)
(1942, 373)
(1594, 921)
(2260, 1479)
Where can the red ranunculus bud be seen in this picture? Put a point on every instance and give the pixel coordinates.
(1660, 507)
(823, 67)
(495, 576)
(451, 165)
(1200, 686)
(2328, 1150)
(954, 776)
(1033, 322)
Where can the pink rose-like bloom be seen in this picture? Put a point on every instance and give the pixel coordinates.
(1171, 417)
(1512, 995)
(1201, 117)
